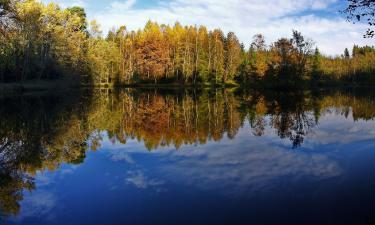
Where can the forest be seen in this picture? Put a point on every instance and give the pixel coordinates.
(46, 42)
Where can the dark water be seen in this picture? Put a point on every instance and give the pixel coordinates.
(188, 157)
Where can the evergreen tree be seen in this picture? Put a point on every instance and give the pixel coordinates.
(346, 53)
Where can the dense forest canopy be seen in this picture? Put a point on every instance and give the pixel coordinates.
(44, 41)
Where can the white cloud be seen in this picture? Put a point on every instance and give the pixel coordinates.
(123, 5)
(321, 4)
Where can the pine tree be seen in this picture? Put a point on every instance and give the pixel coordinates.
(346, 53)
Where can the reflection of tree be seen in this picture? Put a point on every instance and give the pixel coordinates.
(286, 112)
(294, 126)
(41, 132)
(291, 118)
(186, 118)
(12, 184)
(33, 137)
(360, 103)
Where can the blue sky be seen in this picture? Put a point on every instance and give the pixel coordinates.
(319, 20)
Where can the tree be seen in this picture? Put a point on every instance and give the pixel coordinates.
(289, 60)
(362, 11)
(103, 57)
(233, 56)
(316, 66)
(7, 14)
(95, 31)
(80, 12)
(217, 55)
(285, 54)
(258, 43)
(44, 41)
(304, 49)
(152, 53)
(258, 56)
(346, 53)
(40, 41)
(202, 60)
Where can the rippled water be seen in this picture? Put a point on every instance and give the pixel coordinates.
(188, 157)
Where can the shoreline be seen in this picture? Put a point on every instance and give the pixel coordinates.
(43, 85)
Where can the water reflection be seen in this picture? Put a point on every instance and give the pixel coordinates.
(40, 132)
(36, 133)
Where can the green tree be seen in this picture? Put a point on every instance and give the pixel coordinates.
(80, 12)
(346, 53)
(316, 66)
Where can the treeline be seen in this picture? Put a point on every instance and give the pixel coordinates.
(358, 67)
(41, 41)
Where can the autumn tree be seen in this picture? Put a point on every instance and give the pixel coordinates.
(202, 49)
(152, 53)
(258, 43)
(217, 55)
(285, 54)
(258, 57)
(42, 41)
(80, 12)
(233, 57)
(304, 50)
(103, 57)
(7, 15)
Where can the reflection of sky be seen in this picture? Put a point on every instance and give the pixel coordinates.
(117, 178)
(334, 129)
(40, 203)
(239, 164)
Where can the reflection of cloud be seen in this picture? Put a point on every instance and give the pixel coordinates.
(138, 179)
(241, 165)
(67, 171)
(336, 129)
(43, 179)
(37, 204)
(119, 155)
(248, 165)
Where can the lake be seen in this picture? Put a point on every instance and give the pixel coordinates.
(172, 157)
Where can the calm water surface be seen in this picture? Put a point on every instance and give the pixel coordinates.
(188, 157)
